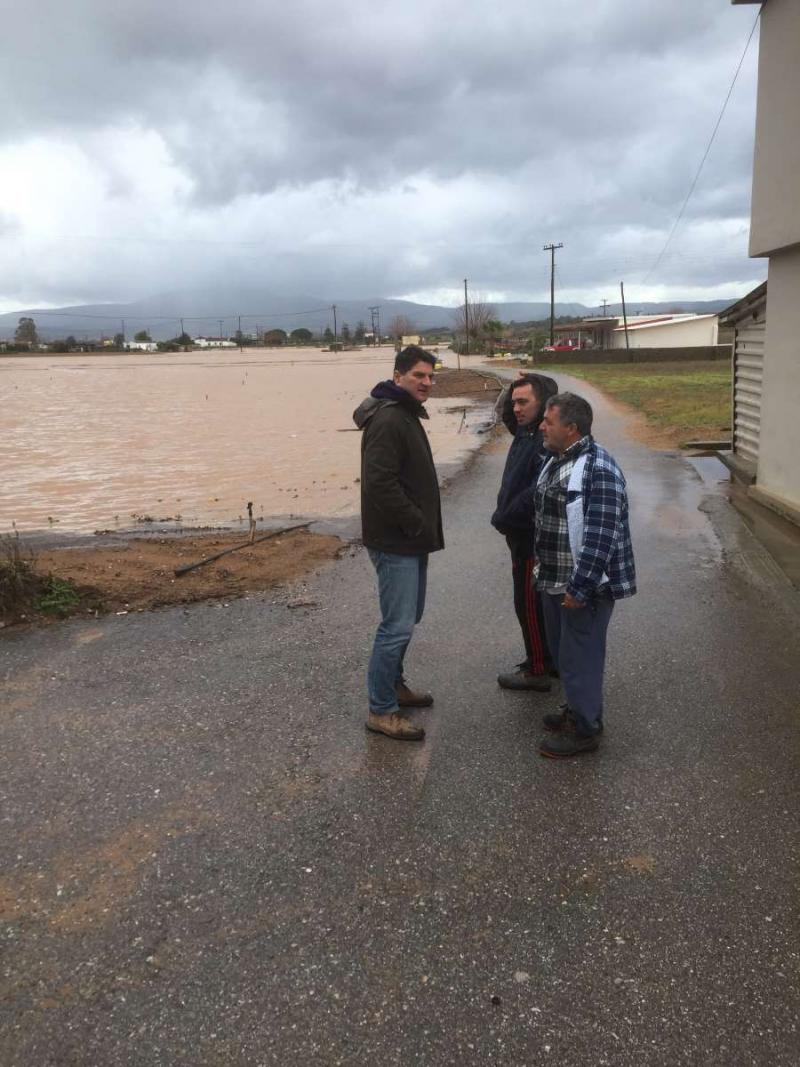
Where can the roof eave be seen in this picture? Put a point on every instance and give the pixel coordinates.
(731, 315)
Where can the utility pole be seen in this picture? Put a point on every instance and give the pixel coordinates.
(333, 309)
(374, 313)
(182, 329)
(605, 305)
(466, 326)
(123, 332)
(551, 248)
(241, 346)
(220, 332)
(624, 313)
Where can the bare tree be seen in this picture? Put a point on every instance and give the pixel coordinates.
(400, 326)
(478, 314)
(25, 332)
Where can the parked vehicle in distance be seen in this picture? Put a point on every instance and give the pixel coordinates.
(561, 346)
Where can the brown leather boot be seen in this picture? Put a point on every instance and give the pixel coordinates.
(407, 698)
(394, 725)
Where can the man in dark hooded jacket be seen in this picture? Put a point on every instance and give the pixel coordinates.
(521, 407)
(401, 521)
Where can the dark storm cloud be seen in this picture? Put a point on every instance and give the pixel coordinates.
(586, 118)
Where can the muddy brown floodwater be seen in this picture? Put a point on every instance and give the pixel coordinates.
(109, 441)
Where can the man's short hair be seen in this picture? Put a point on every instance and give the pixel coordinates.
(410, 357)
(542, 386)
(573, 409)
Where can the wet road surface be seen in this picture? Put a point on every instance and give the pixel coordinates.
(206, 860)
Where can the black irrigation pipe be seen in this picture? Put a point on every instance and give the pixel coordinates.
(180, 571)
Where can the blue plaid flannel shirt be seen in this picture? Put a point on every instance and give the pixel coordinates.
(607, 548)
(552, 533)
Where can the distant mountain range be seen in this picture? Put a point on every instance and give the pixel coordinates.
(209, 312)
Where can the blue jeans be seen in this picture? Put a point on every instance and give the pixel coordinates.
(401, 591)
(577, 642)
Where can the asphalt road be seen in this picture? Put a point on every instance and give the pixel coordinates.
(207, 861)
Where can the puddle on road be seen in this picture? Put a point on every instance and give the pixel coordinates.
(711, 469)
(779, 536)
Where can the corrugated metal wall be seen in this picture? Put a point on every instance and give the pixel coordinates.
(748, 370)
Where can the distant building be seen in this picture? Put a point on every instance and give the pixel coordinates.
(141, 346)
(410, 339)
(213, 342)
(677, 331)
(644, 331)
(775, 234)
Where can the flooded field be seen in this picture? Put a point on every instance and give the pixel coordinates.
(111, 441)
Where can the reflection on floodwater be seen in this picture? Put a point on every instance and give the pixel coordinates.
(99, 442)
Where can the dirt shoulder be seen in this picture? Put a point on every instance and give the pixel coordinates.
(475, 385)
(139, 574)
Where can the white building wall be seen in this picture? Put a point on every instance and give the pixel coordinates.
(686, 334)
(778, 477)
(776, 186)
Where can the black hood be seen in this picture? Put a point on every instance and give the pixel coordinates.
(386, 393)
(389, 391)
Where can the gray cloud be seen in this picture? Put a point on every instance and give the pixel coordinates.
(320, 146)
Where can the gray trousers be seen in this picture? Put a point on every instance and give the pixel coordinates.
(577, 642)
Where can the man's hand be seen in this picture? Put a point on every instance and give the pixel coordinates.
(571, 603)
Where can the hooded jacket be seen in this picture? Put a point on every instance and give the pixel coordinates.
(400, 507)
(514, 514)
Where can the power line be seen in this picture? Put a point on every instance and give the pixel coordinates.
(442, 242)
(705, 154)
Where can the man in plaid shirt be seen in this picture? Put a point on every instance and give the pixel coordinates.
(585, 557)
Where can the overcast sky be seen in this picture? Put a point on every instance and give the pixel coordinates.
(345, 148)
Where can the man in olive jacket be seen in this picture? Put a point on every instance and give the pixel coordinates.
(401, 521)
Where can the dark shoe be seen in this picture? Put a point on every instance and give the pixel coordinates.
(566, 744)
(558, 720)
(394, 725)
(563, 719)
(407, 698)
(523, 679)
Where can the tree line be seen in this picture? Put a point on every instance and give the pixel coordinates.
(475, 328)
